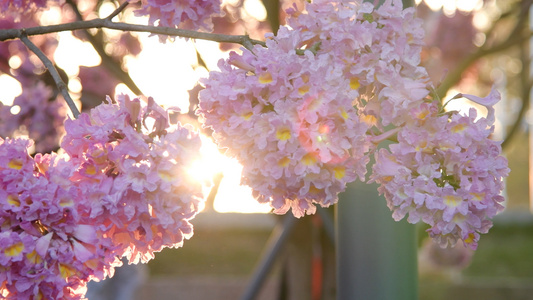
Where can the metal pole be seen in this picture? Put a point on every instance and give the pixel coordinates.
(376, 256)
(327, 223)
(275, 244)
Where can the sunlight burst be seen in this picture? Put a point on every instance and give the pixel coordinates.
(231, 196)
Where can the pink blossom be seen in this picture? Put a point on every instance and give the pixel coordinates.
(303, 114)
(376, 50)
(291, 118)
(69, 218)
(446, 172)
(43, 221)
(295, 131)
(489, 101)
(139, 172)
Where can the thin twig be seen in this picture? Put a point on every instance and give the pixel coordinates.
(117, 11)
(14, 33)
(55, 75)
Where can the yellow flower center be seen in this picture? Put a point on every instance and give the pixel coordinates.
(33, 257)
(369, 119)
(313, 190)
(64, 202)
(283, 134)
(387, 178)
(247, 116)
(91, 170)
(303, 89)
(284, 162)
(458, 128)
(265, 78)
(66, 270)
(452, 201)
(422, 115)
(309, 159)
(15, 164)
(354, 83)
(339, 171)
(478, 196)
(13, 200)
(14, 249)
(344, 114)
(470, 238)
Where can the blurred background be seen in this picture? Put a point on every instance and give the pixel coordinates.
(472, 45)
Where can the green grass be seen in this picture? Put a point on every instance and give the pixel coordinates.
(213, 253)
(517, 184)
(506, 251)
(501, 269)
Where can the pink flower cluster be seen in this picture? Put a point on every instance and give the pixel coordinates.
(298, 120)
(49, 247)
(304, 114)
(289, 122)
(185, 14)
(376, 52)
(445, 171)
(142, 195)
(119, 189)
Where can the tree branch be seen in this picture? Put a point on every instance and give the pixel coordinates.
(514, 38)
(117, 11)
(526, 84)
(245, 40)
(55, 75)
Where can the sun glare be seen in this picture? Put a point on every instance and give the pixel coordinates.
(231, 196)
(256, 9)
(164, 71)
(211, 163)
(10, 88)
(72, 53)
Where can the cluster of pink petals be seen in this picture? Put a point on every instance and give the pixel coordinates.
(298, 121)
(134, 178)
(290, 121)
(303, 115)
(49, 248)
(119, 189)
(184, 14)
(445, 171)
(375, 50)
(40, 116)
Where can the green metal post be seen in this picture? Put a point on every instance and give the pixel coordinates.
(376, 256)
